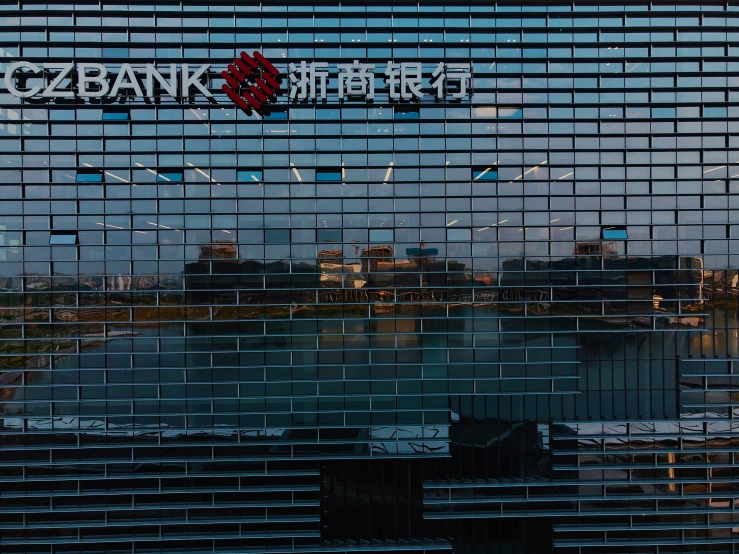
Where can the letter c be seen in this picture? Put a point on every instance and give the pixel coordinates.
(10, 79)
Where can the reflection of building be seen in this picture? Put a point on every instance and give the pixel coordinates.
(335, 273)
(447, 273)
(596, 249)
(371, 257)
(421, 256)
(218, 251)
(330, 256)
(420, 270)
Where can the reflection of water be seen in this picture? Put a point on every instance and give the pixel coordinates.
(617, 375)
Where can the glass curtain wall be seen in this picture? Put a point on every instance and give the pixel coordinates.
(492, 314)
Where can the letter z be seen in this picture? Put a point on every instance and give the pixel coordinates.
(51, 91)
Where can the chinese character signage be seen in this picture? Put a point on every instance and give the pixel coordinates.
(404, 80)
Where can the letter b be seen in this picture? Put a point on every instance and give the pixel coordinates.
(83, 79)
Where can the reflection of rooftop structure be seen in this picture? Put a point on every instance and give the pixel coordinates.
(372, 255)
(421, 255)
(334, 255)
(665, 276)
(397, 273)
(595, 249)
(218, 251)
(335, 273)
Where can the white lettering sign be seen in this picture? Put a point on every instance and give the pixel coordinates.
(310, 82)
(153, 75)
(10, 80)
(404, 80)
(128, 79)
(64, 70)
(98, 79)
(356, 80)
(307, 81)
(446, 72)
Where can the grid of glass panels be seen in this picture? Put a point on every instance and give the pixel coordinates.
(506, 321)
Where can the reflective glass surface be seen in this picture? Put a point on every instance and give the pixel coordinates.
(483, 299)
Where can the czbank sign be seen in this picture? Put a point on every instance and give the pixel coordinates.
(179, 82)
(250, 82)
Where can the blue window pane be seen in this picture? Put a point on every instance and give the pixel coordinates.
(485, 174)
(169, 176)
(458, 234)
(664, 112)
(276, 115)
(250, 175)
(277, 236)
(115, 52)
(89, 177)
(63, 239)
(615, 234)
(422, 251)
(115, 116)
(381, 235)
(329, 235)
(510, 113)
(406, 112)
(328, 175)
(714, 111)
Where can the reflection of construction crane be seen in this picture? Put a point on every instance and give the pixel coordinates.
(421, 255)
(423, 258)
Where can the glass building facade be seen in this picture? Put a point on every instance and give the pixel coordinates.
(496, 313)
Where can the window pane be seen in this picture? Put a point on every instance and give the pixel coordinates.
(458, 234)
(328, 175)
(406, 112)
(511, 113)
(615, 234)
(63, 238)
(169, 176)
(486, 174)
(89, 177)
(250, 175)
(276, 115)
(381, 235)
(116, 116)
